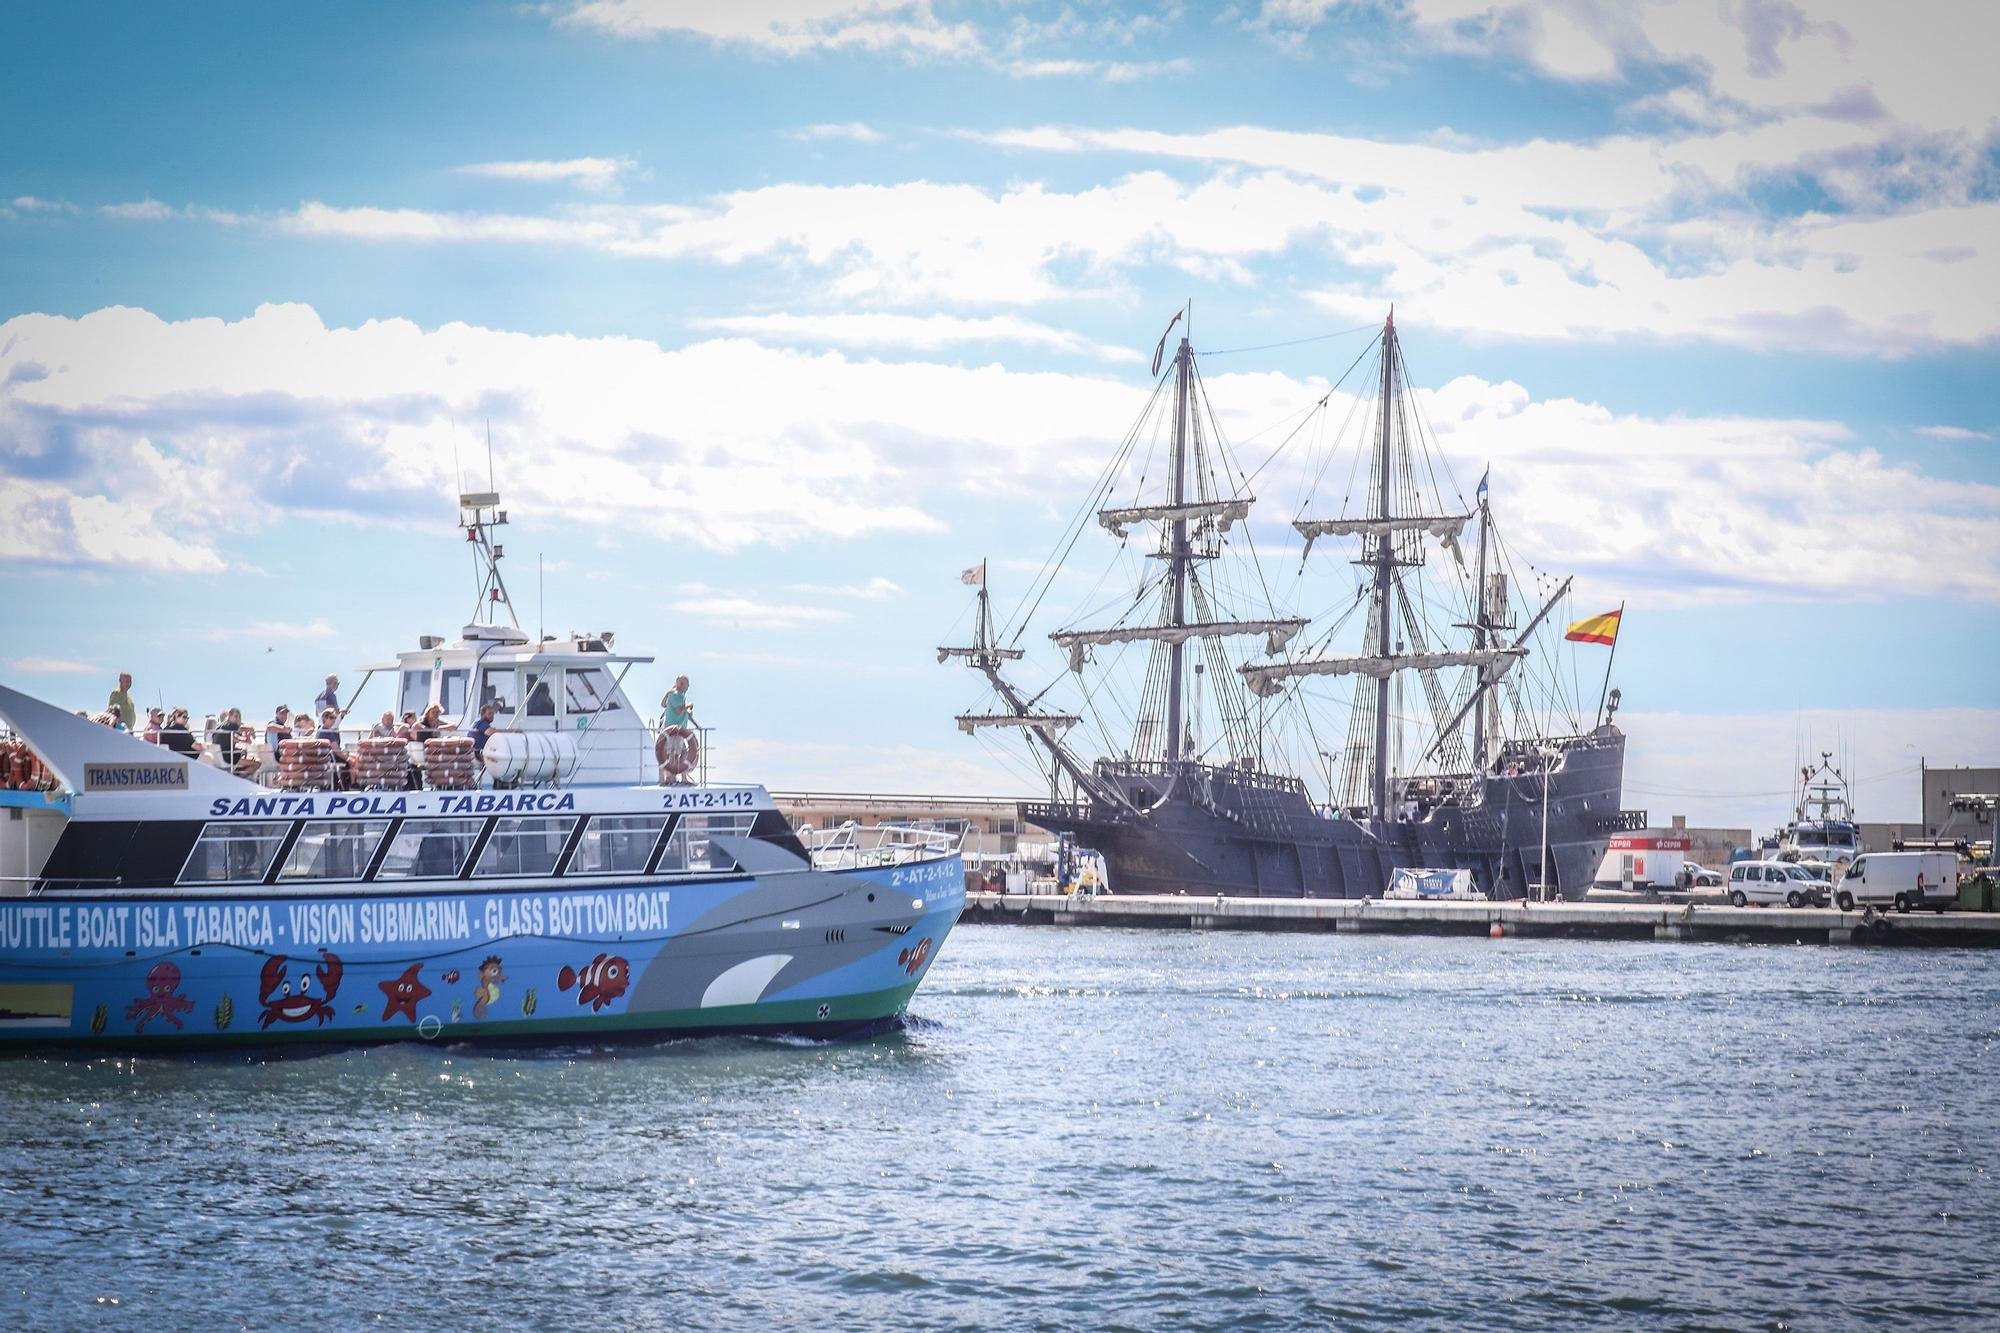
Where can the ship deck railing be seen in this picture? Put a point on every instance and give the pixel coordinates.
(852, 846)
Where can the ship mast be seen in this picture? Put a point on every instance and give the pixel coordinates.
(1479, 620)
(1177, 551)
(1385, 568)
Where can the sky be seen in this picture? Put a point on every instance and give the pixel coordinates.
(780, 315)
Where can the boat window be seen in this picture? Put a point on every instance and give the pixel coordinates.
(334, 849)
(589, 690)
(451, 698)
(416, 694)
(429, 849)
(617, 844)
(689, 851)
(233, 854)
(525, 846)
(496, 687)
(541, 699)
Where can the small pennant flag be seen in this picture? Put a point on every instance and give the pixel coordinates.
(1482, 484)
(1596, 629)
(1160, 352)
(974, 577)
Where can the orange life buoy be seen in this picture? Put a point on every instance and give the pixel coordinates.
(677, 749)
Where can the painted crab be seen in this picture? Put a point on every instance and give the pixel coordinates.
(284, 1005)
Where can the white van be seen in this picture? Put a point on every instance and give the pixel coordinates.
(1904, 879)
(1769, 883)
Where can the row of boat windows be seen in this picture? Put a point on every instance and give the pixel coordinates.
(343, 849)
(584, 690)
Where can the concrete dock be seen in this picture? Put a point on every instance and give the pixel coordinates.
(1561, 920)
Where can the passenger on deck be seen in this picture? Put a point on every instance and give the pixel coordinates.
(385, 728)
(227, 748)
(120, 703)
(155, 719)
(175, 734)
(278, 728)
(674, 710)
(329, 697)
(433, 724)
(483, 728)
(329, 731)
(408, 730)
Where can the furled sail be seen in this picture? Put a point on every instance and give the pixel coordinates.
(1225, 512)
(1277, 633)
(978, 653)
(1445, 527)
(971, 722)
(1263, 678)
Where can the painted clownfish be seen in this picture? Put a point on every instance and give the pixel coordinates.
(602, 980)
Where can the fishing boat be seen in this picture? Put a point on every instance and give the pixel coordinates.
(557, 886)
(1822, 832)
(1206, 765)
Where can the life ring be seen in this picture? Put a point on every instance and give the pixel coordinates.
(678, 750)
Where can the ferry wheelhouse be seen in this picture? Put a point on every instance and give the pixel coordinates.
(560, 886)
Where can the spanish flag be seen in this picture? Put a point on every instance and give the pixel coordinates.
(1597, 629)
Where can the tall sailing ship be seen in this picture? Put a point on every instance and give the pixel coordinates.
(1202, 783)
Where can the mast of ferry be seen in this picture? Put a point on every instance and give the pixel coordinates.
(1385, 567)
(1177, 546)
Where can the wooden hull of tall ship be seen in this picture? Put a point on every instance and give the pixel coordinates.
(1206, 831)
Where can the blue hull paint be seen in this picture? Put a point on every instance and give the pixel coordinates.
(825, 953)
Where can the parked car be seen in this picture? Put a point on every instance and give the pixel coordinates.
(1769, 883)
(1700, 876)
(1902, 879)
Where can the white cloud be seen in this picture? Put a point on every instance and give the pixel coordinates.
(50, 666)
(28, 203)
(1108, 71)
(757, 614)
(1953, 433)
(597, 174)
(201, 429)
(922, 332)
(854, 130)
(785, 27)
(876, 589)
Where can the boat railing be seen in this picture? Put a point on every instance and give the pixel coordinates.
(851, 846)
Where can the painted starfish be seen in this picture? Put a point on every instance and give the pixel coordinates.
(404, 993)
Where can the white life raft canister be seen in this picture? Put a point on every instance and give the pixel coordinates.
(530, 756)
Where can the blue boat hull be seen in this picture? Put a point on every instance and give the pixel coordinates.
(814, 952)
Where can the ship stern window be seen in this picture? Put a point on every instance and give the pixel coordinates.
(541, 699)
(430, 849)
(689, 851)
(334, 849)
(416, 692)
(233, 854)
(617, 845)
(529, 846)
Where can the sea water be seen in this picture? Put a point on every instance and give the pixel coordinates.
(1088, 1129)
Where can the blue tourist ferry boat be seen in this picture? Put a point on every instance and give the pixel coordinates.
(555, 889)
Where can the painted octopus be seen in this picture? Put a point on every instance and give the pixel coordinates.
(160, 1001)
